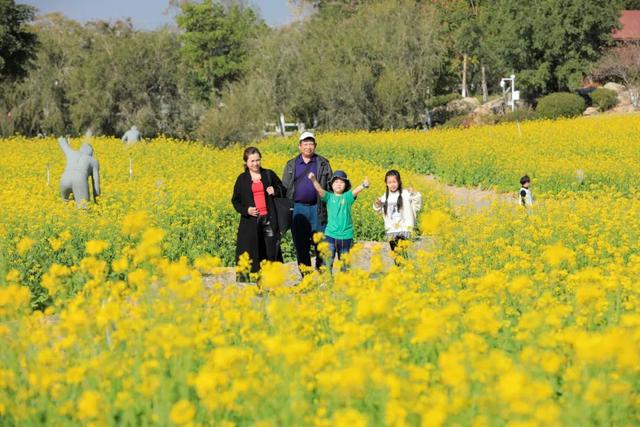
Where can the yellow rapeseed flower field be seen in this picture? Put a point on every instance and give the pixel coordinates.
(497, 317)
(559, 155)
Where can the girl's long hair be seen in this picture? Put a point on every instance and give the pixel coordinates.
(396, 174)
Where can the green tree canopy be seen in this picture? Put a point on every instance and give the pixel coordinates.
(349, 77)
(631, 4)
(102, 76)
(17, 42)
(214, 45)
(550, 44)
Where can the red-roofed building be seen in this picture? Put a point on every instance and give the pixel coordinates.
(630, 23)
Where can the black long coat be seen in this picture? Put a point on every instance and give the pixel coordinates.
(249, 238)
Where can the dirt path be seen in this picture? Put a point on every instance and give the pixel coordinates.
(462, 198)
(469, 198)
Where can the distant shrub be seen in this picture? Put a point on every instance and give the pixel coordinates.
(604, 99)
(517, 116)
(441, 100)
(456, 122)
(239, 118)
(560, 104)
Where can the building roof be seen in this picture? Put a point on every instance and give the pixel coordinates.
(630, 23)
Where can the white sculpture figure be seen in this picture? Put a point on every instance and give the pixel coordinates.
(131, 136)
(80, 166)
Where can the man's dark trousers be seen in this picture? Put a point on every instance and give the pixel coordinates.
(305, 224)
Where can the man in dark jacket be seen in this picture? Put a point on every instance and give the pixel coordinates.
(309, 212)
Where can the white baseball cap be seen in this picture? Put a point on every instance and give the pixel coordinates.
(307, 135)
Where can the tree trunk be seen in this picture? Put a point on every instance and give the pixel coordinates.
(485, 92)
(464, 75)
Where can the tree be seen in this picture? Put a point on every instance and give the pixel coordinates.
(214, 45)
(126, 78)
(461, 19)
(102, 76)
(239, 118)
(39, 103)
(378, 78)
(335, 9)
(549, 44)
(622, 64)
(17, 43)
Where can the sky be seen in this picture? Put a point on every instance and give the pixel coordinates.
(145, 14)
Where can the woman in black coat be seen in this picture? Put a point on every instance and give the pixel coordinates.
(253, 194)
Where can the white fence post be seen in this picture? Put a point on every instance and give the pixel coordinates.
(281, 124)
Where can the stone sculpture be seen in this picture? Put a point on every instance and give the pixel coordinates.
(80, 166)
(131, 136)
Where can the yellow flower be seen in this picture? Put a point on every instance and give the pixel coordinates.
(120, 265)
(207, 263)
(429, 328)
(138, 277)
(434, 417)
(244, 264)
(135, 222)
(349, 418)
(273, 275)
(453, 370)
(434, 222)
(557, 254)
(481, 318)
(55, 243)
(13, 299)
(89, 405)
(182, 412)
(95, 247)
(76, 374)
(24, 245)
(13, 275)
(370, 307)
(596, 391)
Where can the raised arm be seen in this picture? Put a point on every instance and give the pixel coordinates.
(64, 144)
(416, 201)
(378, 205)
(321, 191)
(95, 178)
(359, 188)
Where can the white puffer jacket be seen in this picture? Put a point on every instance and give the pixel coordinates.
(404, 220)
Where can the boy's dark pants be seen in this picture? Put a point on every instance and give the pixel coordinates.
(339, 247)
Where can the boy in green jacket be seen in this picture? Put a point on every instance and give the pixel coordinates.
(339, 230)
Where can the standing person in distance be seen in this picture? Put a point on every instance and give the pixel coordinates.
(309, 211)
(525, 198)
(253, 194)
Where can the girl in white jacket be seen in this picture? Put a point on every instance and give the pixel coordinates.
(399, 207)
